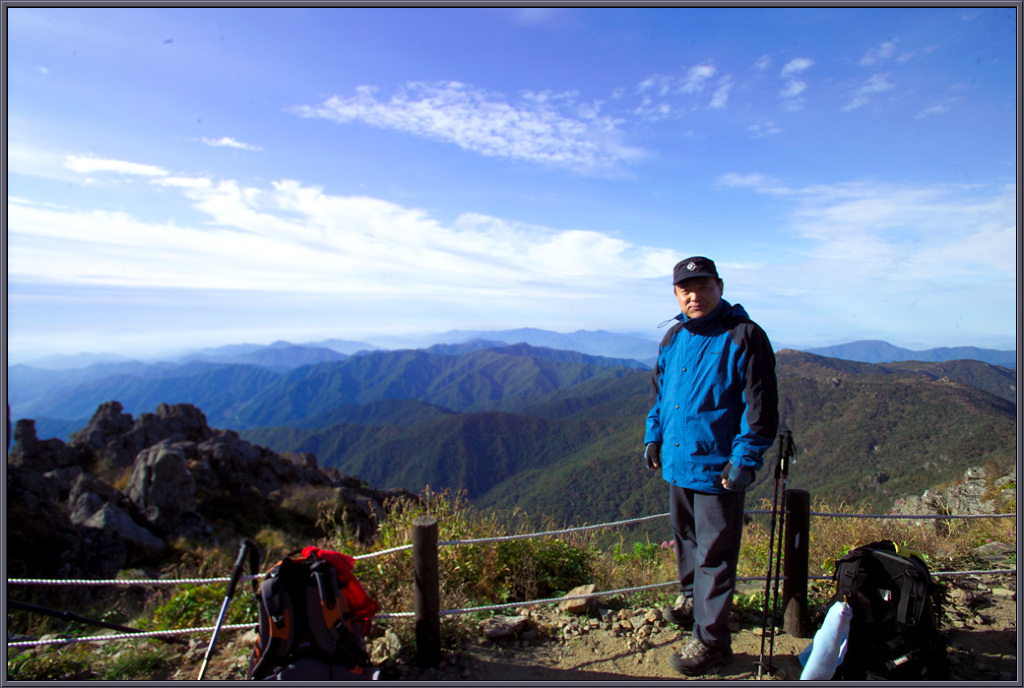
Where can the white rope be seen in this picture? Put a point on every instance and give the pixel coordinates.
(127, 636)
(123, 581)
(200, 581)
(550, 532)
(383, 551)
(448, 612)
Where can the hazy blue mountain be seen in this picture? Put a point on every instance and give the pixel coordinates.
(594, 342)
(869, 351)
(75, 361)
(452, 382)
(241, 396)
(465, 347)
(29, 388)
(535, 351)
(279, 356)
(218, 389)
(343, 346)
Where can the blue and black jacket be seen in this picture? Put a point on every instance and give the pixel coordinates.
(715, 398)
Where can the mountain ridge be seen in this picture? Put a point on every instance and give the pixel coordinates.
(639, 346)
(876, 351)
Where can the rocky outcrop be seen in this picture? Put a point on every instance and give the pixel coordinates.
(167, 465)
(977, 493)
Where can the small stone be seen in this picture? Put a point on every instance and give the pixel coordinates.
(578, 606)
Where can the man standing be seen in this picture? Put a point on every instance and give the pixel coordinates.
(714, 416)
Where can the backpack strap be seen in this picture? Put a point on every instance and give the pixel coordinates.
(277, 624)
(849, 576)
(329, 616)
(323, 605)
(913, 595)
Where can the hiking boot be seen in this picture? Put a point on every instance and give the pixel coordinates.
(697, 658)
(681, 614)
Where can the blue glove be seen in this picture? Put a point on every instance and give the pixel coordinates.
(653, 455)
(736, 480)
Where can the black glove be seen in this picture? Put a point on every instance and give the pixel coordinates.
(653, 455)
(735, 483)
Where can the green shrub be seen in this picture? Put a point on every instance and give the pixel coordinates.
(200, 605)
(46, 664)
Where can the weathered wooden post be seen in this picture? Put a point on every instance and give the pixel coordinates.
(797, 622)
(427, 591)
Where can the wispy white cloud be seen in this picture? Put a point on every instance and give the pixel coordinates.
(939, 234)
(888, 256)
(764, 128)
(721, 95)
(550, 129)
(697, 78)
(663, 96)
(292, 238)
(796, 66)
(228, 142)
(884, 52)
(758, 182)
(878, 53)
(793, 87)
(89, 164)
(932, 111)
(875, 84)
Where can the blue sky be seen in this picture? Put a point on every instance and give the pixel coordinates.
(187, 177)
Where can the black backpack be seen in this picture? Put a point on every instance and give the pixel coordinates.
(894, 631)
(313, 619)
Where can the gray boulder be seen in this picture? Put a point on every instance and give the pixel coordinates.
(162, 488)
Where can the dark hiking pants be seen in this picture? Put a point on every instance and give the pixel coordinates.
(707, 528)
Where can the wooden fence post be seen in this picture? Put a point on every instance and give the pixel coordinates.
(795, 612)
(427, 592)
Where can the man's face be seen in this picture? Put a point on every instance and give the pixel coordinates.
(698, 296)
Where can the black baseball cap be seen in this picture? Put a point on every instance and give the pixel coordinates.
(697, 266)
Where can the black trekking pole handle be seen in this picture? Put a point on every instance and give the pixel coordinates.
(236, 573)
(786, 451)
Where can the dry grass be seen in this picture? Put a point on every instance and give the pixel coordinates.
(520, 570)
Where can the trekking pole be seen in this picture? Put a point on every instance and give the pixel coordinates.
(771, 550)
(247, 551)
(785, 455)
(70, 616)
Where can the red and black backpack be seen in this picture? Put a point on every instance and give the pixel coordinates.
(314, 616)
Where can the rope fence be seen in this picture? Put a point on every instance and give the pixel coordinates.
(449, 612)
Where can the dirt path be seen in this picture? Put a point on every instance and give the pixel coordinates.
(982, 635)
(981, 627)
(603, 658)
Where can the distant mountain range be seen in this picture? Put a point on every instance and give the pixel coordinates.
(554, 431)
(882, 352)
(242, 395)
(639, 347)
